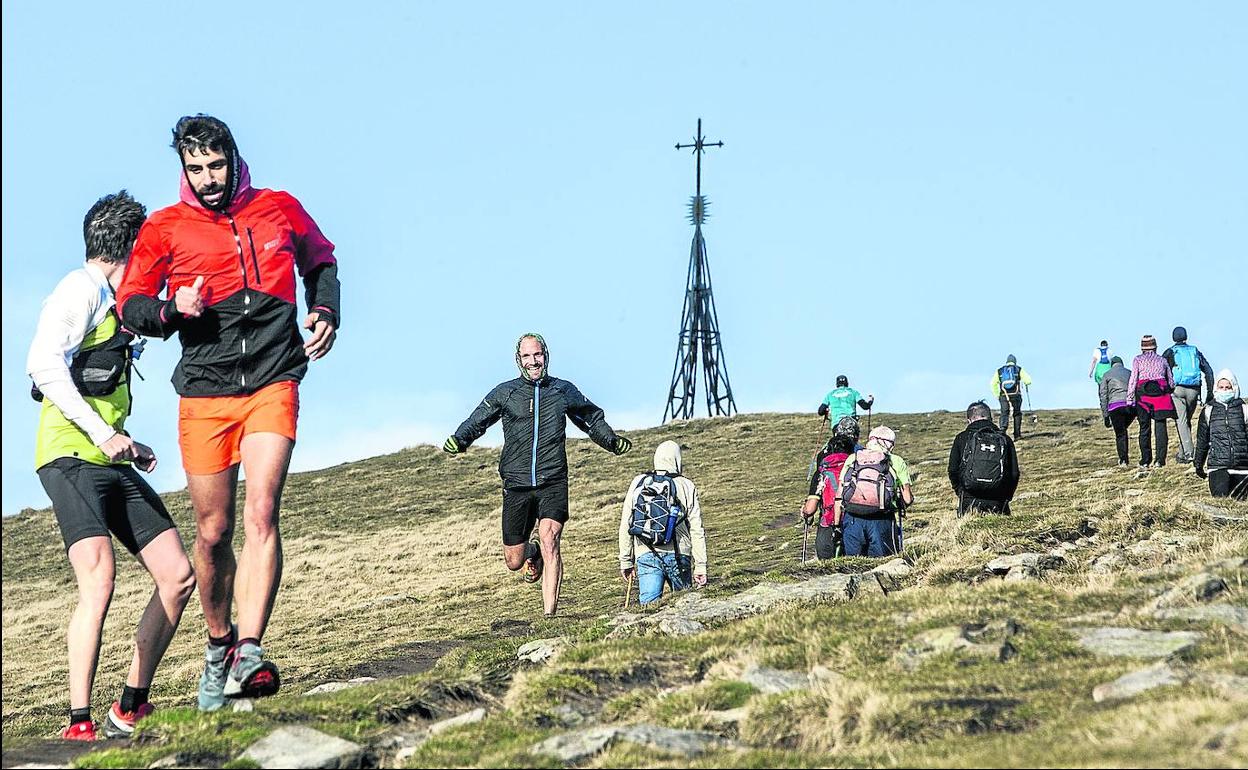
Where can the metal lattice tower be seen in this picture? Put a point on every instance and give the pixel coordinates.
(699, 341)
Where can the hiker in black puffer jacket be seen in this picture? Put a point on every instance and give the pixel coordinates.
(983, 464)
(1222, 440)
(535, 408)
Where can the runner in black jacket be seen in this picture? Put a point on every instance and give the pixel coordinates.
(534, 462)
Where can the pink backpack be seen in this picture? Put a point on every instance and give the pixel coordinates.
(869, 489)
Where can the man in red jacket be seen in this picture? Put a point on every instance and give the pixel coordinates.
(225, 257)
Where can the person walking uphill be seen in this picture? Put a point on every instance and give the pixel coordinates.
(843, 401)
(1116, 406)
(1222, 440)
(80, 364)
(1149, 391)
(661, 535)
(1102, 360)
(535, 408)
(226, 257)
(873, 489)
(983, 465)
(1007, 385)
(1188, 364)
(822, 482)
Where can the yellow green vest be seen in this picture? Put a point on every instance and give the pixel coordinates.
(58, 437)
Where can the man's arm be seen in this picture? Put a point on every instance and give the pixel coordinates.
(1132, 383)
(1202, 441)
(1169, 356)
(486, 414)
(1207, 370)
(1024, 376)
(585, 415)
(1103, 388)
(59, 333)
(1012, 472)
(138, 297)
(626, 520)
(955, 461)
(697, 535)
(864, 403)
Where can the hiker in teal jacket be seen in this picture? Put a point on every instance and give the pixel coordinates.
(844, 401)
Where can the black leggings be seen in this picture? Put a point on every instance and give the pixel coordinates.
(1147, 429)
(1121, 419)
(1223, 484)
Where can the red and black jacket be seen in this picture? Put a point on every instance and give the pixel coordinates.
(248, 336)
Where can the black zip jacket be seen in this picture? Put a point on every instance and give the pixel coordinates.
(534, 419)
(1222, 436)
(1008, 484)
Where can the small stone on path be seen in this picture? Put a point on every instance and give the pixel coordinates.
(296, 746)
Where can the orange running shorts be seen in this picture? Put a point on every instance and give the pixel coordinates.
(211, 428)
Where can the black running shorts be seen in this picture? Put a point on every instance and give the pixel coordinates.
(523, 507)
(94, 500)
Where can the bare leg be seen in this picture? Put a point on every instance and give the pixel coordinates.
(213, 497)
(94, 569)
(549, 532)
(514, 555)
(266, 458)
(166, 562)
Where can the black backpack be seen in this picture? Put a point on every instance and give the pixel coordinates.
(983, 461)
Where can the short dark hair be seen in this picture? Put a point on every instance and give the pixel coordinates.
(201, 133)
(978, 411)
(1104, 342)
(111, 226)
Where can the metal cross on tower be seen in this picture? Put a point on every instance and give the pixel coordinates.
(699, 341)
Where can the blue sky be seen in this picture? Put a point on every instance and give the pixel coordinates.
(908, 191)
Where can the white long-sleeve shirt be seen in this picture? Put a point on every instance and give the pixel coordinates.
(78, 304)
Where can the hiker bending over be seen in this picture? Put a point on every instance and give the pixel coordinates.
(80, 362)
(535, 408)
(1102, 360)
(824, 474)
(1116, 406)
(983, 466)
(844, 401)
(1008, 384)
(1149, 391)
(1188, 364)
(874, 488)
(661, 533)
(1222, 440)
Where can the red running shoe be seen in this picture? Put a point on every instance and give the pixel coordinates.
(79, 731)
(120, 724)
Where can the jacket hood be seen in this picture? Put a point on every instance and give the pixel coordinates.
(1226, 374)
(242, 186)
(667, 457)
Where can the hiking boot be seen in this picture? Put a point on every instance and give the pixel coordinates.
(250, 675)
(79, 731)
(120, 724)
(533, 565)
(212, 682)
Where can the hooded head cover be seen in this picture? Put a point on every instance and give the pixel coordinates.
(1179, 334)
(842, 381)
(545, 354)
(882, 438)
(1226, 396)
(1116, 360)
(1010, 359)
(201, 133)
(667, 458)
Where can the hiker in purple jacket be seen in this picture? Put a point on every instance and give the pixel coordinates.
(1152, 382)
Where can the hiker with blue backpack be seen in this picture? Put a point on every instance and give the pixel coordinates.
(661, 536)
(1102, 361)
(1008, 384)
(822, 482)
(843, 401)
(872, 493)
(1188, 364)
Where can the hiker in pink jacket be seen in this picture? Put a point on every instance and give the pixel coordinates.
(1149, 391)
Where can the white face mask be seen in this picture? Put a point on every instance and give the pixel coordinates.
(1224, 396)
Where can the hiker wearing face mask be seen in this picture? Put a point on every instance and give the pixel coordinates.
(1222, 440)
(1116, 407)
(1149, 392)
(661, 535)
(1189, 365)
(535, 408)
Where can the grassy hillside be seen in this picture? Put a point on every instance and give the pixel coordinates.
(394, 570)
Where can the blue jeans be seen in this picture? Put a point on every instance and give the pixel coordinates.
(871, 537)
(653, 571)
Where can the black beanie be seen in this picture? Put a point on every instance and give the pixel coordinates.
(1179, 334)
(842, 381)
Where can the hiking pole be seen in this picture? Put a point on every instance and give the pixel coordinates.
(628, 589)
(805, 536)
(869, 418)
(1034, 419)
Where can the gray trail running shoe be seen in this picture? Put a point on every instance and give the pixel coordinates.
(250, 676)
(212, 682)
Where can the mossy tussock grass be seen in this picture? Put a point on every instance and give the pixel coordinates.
(399, 550)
